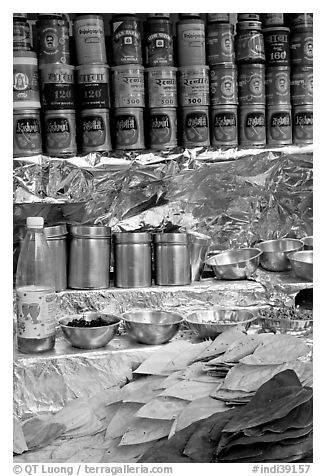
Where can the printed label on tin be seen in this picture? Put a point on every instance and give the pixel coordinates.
(28, 134)
(254, 126)
(225, 126)
(54, 43)
(35, 313)
(250, 47)
(220, 47)
(194, 90)
(93, 95)
(58, 133)
(94, 131)
(277, 48)
(196, 37)
(126, 44)
(58, 96)
(196, 127)
(25, 82)
(308, 49)
(159, 49)
(129, 89)
(127, 130)
(160, 129)
(301, 46)
(280, 127)
(21, 37)
(303, 126)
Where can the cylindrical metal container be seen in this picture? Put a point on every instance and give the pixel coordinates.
(302, 124)
(251, 84)
(89, 37)
(57, 86)
(53, 39)
(302, 85)
(26, 92)
(249, 43)
(195, 126)
(89, 257)
(220, 43)
(95, 130)
(277, 46)
(158, 15)
(224, 125)
(159, 42)
(301, 46)
(248, 17)
(126, 40)
(172, 259)
(161, 87)
(128, 86)
(129, 128)
(193, 82)
(302, 19)
(191, 42)
(56, 239)
(21, 33)
(277, 85)
(252, 125)
(223, 84)
(132, 260)
(218, 17)
(60, 133)
(93, 86)
(272, 19)
(162, 127)
(27, 137)
(199, 245)
(279, 125)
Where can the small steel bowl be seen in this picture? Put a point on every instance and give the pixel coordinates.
(297, 327)
(308, 242)
(90, 337)
(302, 264)
(152, 327)
(208, 324)
(235, 264)
(275, 253)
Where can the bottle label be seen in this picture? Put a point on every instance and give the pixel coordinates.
(35, 313)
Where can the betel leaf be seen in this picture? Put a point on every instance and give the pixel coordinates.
(220, 343)
(122, 419)
(155, 364)
(199, 409)
(189, 390)
(39, 432)
(162, 408)
(142, 430)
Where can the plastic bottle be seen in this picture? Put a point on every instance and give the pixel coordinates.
(35, 285)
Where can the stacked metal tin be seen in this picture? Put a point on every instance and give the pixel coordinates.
(193, 81)
(93, 84)
(222, 80)
(277, 80)
(301, 46)
(128, 82)
(161, 83)
(27, 139)
(57, 85)
(250, 58)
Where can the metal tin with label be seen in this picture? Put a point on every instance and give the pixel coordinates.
(21, 33)
(302, 124)
(218, 17)
(193, 82)
(223, 84)
(27, 139)
(126, 40)
(251, 84)
(249, 43)
(53, 39)
(220, 43)
(159, 42)
(195, 126)
(277, 46)
(279, 125)
(277, 85)
(93, 86)
(128, 86)
(90, 39)
(129, 128)
(57, 86)
(191, 42)
(302, 19)
(95, 130)
(224, 125)
(301, 46)
(272, 19)
(162, 125)
(26, 92)
(252, 125)
(302, 85)
(60, 133)
(161, 87)
(248, 17)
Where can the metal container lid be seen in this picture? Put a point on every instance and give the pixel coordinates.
(55, 231)
(176, 238)
(126, 67)
(158, 15)
(278, 28)
(89, 231)
(24, 54)
(129, 237)
(200, 238)
(249, 25)
(223, 66)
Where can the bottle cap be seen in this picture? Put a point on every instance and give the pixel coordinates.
(35, 222)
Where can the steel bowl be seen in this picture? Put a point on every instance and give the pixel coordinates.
(297, 327)
(302, 264)
(90, 337)
(151, 326)
(235, 264)
(275, 253)
(208, 324)
(308, 242)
